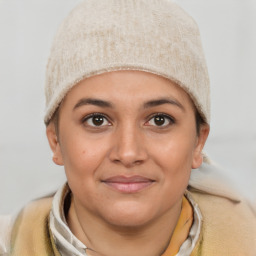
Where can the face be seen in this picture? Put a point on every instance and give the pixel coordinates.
(128, 141)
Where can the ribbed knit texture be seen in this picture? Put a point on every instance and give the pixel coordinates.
(155, 36)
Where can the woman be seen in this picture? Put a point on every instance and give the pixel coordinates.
(127, 115)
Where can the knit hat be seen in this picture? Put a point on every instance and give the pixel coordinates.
(155, 36)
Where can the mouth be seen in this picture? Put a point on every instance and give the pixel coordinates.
(128, 185)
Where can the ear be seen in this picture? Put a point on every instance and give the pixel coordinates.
(54, 143)
(201, 139)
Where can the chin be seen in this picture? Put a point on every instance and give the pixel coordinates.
(128, 215)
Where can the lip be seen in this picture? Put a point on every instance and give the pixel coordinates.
(132, 184)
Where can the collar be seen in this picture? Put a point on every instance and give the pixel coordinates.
(65, 240)
(187, 231)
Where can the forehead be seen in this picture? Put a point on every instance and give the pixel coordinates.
(124, 86)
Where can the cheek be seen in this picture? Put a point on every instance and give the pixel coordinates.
(174, 156)
(82, 155)
(81, 161)
(175, 151)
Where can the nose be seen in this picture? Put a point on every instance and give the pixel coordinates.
(129, 148)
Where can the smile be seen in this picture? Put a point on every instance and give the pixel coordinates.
(131, 184)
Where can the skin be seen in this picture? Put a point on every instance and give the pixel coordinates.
(128, 172)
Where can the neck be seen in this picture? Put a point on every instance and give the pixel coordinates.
(150, 239)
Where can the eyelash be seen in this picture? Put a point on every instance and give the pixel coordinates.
(170, 119)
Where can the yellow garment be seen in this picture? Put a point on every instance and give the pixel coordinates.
(229, 229)
(30, 234)
(181, 230)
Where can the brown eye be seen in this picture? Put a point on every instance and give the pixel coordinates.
(160, 120)
(96, 120)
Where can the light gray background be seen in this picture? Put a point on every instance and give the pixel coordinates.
(27, 27)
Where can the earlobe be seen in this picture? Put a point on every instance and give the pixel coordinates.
(197, 161)
(54, 144)
(198, 155)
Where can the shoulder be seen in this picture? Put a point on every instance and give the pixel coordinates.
(38, 207)
(5, 229)
(31, 224)
(229, 224)
(33, 215)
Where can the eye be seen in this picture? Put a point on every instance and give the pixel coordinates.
(160, 120)
(96, 120)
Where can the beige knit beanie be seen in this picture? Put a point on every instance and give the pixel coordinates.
(155, 36)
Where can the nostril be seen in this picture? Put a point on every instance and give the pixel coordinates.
(138, 162)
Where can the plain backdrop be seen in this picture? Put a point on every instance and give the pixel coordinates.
(27, 27)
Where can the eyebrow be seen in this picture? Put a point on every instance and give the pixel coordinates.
(162, 101)
(95, 102)
(106, 104)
